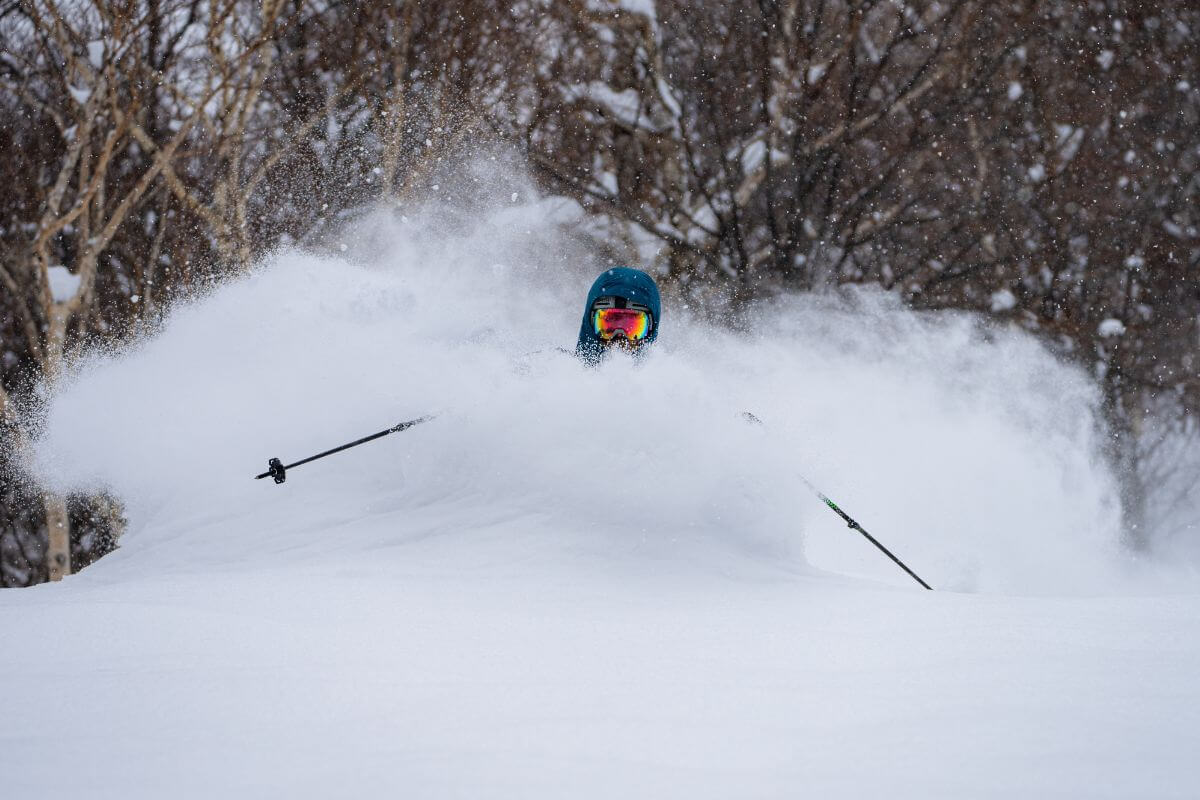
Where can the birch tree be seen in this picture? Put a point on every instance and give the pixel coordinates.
(81, 73)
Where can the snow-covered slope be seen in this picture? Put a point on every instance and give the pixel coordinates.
(587, 583)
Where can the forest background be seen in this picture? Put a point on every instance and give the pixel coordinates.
(1035, 162)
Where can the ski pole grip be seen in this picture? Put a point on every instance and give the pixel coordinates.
(276, 470)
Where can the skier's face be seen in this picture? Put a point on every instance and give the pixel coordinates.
(621, 344)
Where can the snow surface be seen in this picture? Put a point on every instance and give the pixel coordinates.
(1110, 327)
(95, 50)
(644, 7)
(1003, 300)
(753, 155)
(63, 283)
(588, 583)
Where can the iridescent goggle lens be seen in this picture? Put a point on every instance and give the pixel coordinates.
(608, 322)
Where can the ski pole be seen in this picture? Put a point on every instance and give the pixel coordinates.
(848, 519)
(278, 471)
(855, 526)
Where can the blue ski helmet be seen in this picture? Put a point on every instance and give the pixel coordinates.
(631, 285)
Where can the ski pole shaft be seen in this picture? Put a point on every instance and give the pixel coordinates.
(850, 521)
(278, 470)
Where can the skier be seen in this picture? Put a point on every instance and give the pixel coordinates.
(623, 311)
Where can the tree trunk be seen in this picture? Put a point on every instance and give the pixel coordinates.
(58, 522)
(1123, 431)
(58, 535)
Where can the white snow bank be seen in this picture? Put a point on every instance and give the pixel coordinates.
(483, 666)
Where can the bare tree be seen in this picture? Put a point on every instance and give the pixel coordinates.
(785, 144)
(81, 77)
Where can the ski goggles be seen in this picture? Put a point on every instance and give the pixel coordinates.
(608, 322)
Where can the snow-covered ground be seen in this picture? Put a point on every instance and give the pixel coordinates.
(588, 583)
